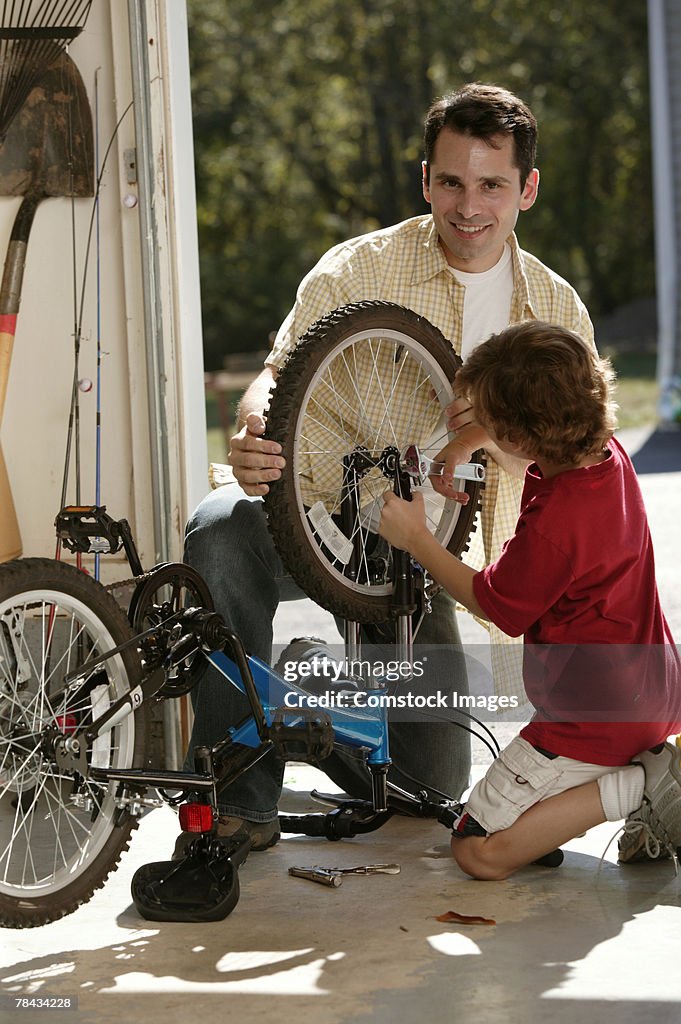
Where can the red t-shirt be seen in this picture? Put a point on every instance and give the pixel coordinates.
(578, 581)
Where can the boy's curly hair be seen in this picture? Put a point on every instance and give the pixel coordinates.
(540, 386)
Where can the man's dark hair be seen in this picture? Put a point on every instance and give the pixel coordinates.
(483, 111)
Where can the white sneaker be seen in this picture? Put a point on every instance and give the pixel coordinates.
(661, 808)
(638, 842)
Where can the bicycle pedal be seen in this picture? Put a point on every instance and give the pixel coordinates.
(310, 741)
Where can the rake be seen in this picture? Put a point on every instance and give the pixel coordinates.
(46, 149)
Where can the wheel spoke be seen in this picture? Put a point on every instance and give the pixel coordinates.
(361, 385)
(52, 829)
(398, 389)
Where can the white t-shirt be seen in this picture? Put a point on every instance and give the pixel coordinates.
(487, 303)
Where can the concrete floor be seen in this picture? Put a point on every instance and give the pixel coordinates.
(588, 941)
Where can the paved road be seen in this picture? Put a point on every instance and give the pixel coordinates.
(657, 459)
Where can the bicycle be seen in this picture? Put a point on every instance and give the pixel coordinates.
(77, 674)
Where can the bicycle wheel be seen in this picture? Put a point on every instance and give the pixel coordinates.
(363, 383)
(58, 845)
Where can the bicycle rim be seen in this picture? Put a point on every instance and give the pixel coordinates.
(50, 836)
(365, 382)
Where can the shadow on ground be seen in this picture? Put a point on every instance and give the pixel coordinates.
(661, 453)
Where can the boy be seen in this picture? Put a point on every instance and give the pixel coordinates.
(577, 580)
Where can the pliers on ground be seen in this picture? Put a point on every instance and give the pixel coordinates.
(334, 876)
(368, 869)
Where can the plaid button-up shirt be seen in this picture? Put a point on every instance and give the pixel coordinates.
(405, 264)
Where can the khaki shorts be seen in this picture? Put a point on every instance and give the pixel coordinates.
(520, 777)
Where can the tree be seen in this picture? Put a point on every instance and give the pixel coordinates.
(308, 131)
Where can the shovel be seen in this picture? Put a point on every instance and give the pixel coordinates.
(47, 151)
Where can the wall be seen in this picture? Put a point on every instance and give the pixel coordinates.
(153, 461)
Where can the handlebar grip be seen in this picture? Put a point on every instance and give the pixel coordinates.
(320, 825)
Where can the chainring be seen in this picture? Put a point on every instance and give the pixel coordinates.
(166, 590)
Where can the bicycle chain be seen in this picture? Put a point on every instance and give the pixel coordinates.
(125, 583)
(133, 581)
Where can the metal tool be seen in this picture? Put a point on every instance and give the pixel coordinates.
(324, 876)
(420, 467)
(369, 869)
(46, 149)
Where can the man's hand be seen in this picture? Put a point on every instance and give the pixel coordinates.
(254, 460)
(403, 522)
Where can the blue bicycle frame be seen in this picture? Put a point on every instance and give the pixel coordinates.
(355, 727)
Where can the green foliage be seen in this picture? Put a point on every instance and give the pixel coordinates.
(307, 120)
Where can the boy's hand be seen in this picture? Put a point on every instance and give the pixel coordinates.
(469, 437)
(403, 522)
(456, 453)
(468, 431)
(459, 414)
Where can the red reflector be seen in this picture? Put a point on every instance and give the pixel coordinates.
(66, 723)
(196, 817)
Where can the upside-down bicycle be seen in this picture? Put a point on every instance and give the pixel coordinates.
(360, 406)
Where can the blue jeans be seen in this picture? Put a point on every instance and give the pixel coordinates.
(228, 542)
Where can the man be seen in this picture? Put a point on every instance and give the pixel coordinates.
(462, 269)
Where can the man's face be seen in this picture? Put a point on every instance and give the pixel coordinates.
(475, 197)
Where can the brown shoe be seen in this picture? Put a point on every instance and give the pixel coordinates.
(262, 834)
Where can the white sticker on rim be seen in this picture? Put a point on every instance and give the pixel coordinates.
(330, 534)
(101, 746)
